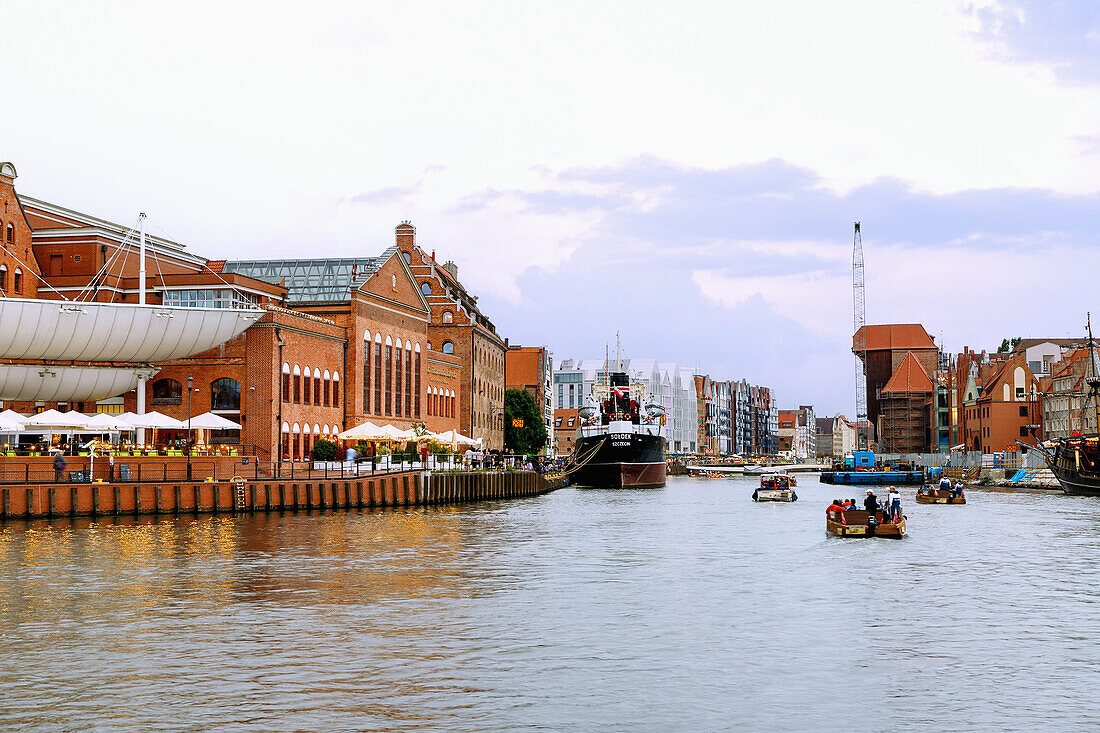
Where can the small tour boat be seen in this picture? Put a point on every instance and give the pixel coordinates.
(775, 487)
(859, 523)
(929, 495)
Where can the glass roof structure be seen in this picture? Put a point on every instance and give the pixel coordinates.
(313, 281)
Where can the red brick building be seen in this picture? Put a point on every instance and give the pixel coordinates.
(458, 327)
(531, 368)
(1007, 409)
(885, 347)
(18, 266)
(566, 423)
(344, 340)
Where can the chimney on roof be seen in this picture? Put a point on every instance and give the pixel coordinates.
(405, 235)
(452, 268)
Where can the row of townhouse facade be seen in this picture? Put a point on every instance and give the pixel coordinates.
(735, 418)
(392, 337)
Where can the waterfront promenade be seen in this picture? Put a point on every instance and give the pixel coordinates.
(688, 608)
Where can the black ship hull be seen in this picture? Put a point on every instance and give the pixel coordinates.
(617, 465)
(1074, 483)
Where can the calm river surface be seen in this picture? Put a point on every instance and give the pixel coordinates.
(686, 608)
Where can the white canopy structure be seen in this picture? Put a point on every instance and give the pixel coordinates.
(48, 383)
(210, 421)
(7, 425)
(87, 331)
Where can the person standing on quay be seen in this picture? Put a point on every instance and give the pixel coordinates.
(58, 467)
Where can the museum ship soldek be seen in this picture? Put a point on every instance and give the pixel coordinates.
(620, 444)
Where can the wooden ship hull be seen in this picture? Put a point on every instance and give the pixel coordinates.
(856, 523)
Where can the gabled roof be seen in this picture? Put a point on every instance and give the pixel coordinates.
(909, 377)
(1028, 343)
(895, 337)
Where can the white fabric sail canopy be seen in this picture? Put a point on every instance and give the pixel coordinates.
(85, 331)
(54, 383)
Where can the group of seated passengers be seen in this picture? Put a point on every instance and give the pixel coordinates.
(891, 508)
(952, 491)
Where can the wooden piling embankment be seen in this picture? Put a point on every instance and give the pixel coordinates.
(399, 489)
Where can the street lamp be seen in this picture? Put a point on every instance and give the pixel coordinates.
(190, 384)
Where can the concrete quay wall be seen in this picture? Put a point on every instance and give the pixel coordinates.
(399, 489)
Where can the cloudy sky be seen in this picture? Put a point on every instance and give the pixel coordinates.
(686, 173)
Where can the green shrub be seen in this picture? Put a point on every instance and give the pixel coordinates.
(324, 450)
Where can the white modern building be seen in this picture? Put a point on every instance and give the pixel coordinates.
(666, 384)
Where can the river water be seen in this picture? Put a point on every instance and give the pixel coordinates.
(686, 608)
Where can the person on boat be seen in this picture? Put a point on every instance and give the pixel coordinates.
(959, 489)
(871, 502)
(836, 506)
(945, 484)
(893, 503)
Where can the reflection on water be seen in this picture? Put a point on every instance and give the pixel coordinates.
(688, 608)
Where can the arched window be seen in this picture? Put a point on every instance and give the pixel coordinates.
(448, 347)
(296, 441)
(447, 317)
(416, 377)
(398, 378)
(17, 281)
(378, 374)
(316, 386)
(3, 277)
(297, 372)
(306, 374)
(336, 389)
(326, 380)
(426, 288)
(286, 382)
(225, 394)
(167, 392)
(408, 258)
(11, 232)
(286, 442)
(394, 277)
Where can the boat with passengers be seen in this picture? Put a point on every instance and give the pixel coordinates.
(775, 487)
(862, 523)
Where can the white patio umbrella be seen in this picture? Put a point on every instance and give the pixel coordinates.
(7, 425)
(454, 437)
(397, 434)
(366, 431)
(54, 420)
(12, 416)
(154, 419)
(108, 423)
(210, 421)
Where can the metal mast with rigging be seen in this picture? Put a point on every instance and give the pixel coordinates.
(859, 344)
